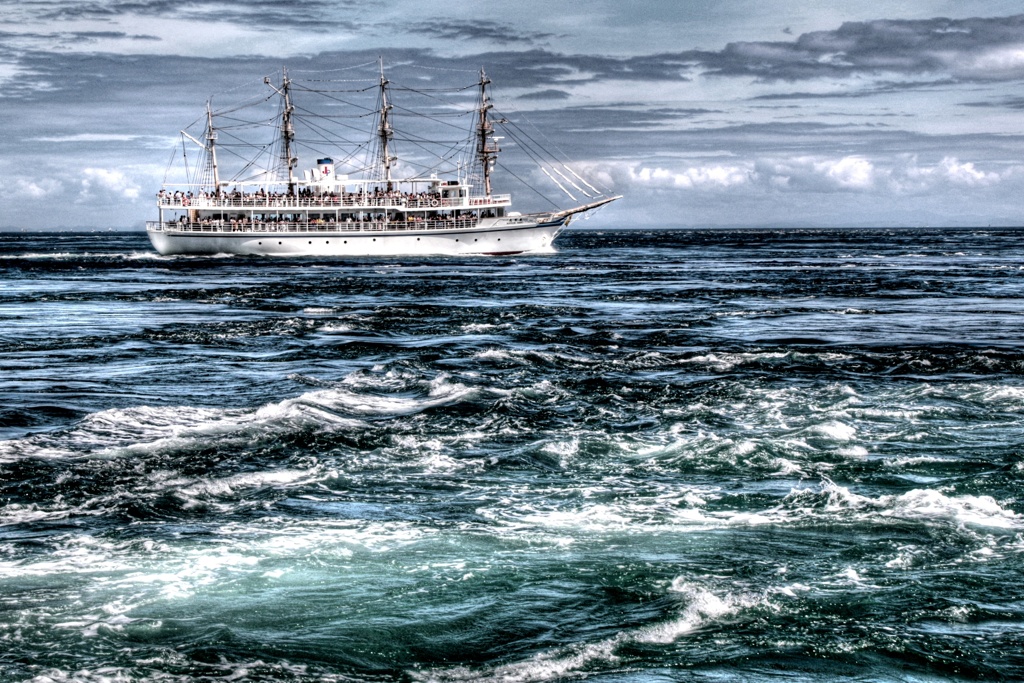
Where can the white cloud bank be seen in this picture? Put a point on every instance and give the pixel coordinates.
(102, 183)
(854, 173)
(29, 188)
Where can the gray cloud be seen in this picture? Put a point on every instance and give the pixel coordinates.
(883, 88)
(307, 14)
(486, 31)
(93, 35)
(1006, 103)
(549, 94)
(964, 48)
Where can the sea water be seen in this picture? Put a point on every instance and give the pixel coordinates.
(651, 456)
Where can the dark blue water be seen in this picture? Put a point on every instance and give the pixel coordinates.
(652, 456)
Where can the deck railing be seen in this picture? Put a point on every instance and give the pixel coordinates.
(236, 227)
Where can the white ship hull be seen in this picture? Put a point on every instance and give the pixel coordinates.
(496, 237)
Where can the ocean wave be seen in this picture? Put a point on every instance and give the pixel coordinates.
(147, 429)
(922, 505)
(86, 256)
(699, 608)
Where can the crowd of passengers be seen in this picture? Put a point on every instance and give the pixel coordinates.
(261, 196)
(243, 222)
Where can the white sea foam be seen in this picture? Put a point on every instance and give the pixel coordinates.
(734, 359)
(86, 255)
(911, 461)
(923, 505)
(1004, 393)
(927, 504)
(786, 467)
(493, 354)
(248, 480)
(835, 430)
(479, 328)
(146, 429)
(155, 670)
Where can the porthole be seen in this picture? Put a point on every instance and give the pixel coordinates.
(260, 243)
(311, 241)
(374, 239)
(279, 243)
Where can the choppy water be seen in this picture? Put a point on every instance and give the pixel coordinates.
(653, 456)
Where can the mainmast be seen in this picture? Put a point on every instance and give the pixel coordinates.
(211, 145)
(287, 128)
(386, 132)
(486, 145)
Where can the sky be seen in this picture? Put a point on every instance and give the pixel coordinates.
(732, 113)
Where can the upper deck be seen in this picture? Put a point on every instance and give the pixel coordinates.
(354, 201)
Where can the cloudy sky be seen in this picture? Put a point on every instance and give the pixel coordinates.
(724, 113)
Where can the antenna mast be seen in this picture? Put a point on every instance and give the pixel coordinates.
(486, 146)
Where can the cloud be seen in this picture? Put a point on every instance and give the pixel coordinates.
(950, 173)
(88, 137)
(714, 177)
(894, 177)
(107, 35)
(35, 188)
(848, 173)
(309, 14)
(1005, 102)
(486, 31)
(101, 183)
(549, 94)
(844, 91)
(981, 49)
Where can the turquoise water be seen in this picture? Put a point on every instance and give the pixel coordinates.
(652, 456)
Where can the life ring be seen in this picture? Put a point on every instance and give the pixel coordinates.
(434, 202)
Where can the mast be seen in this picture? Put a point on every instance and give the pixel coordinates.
(287, 128)
(386, 132)
(211, 140)
(486, 146)
(288, 131)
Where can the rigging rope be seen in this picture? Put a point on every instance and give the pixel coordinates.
(330, 134)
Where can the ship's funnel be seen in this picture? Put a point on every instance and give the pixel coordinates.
(325, 169)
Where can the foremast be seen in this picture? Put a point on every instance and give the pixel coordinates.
(211, 146)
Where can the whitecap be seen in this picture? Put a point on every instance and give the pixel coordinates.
(835, 430)
(147, 429)
(927, 504)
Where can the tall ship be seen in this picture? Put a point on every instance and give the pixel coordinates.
(361, 198)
